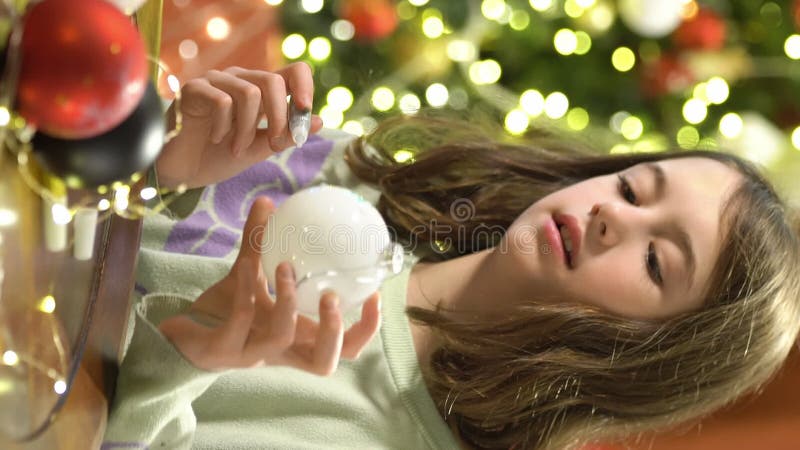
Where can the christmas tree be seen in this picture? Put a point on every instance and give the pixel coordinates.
(627, 75)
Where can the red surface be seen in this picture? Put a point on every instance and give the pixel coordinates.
(254, 41)
(770, 421)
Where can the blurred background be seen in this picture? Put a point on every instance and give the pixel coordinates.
(627, 75)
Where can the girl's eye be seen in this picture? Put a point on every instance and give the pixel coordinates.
(650, 259)
(653, 268)
(626, 191)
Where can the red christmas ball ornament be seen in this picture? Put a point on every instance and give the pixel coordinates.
(704, 31)
(84, 68)
(372, 19)
(666, 75)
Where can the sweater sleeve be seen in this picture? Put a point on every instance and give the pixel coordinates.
(156, 386)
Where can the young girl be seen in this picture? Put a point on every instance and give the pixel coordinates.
(558, 297)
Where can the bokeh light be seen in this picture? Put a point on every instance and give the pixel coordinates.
(717, 90)
(485, 72)
(565, 41)
(312, 6)
(632, 128)
(792, 46)
(541, 5)
(382, 98)
(577, 119)
(293, 46)
(436, 95)
(319, 48)
(353, 127)
(461, 50)
(342, 30)
(532, 101)
(340, 98)
(730, 125)
(556, 105)
(688, 137)
(331, 117)
(695, 111)
(516, 121)
(409, 103)
(218, 28)
(623, 59)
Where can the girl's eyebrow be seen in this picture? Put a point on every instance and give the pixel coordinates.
(681, 236)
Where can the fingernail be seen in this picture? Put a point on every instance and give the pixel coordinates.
(286, 272)
(333, 302)
(276, 143)
(299, 123)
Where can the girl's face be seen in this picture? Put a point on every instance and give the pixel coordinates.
(643, 241)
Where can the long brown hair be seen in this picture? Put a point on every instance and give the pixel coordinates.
(554, 376)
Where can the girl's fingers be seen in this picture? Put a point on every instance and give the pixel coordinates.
(361, 332)
(283, 317)
(248, 104)
(233, 333)
(295, 79)
(201, 99)
(253, 232)
(299, 83)
(329, 336)
(273, 98)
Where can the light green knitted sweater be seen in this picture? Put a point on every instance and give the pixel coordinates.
(162, 401)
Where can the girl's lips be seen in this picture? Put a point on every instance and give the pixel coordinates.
(554, 240)
(574, 232)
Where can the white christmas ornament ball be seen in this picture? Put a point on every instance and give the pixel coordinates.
(335, 240)
(652, 18)
(128, 6)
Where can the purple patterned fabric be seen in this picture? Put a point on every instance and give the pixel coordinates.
(214, 228)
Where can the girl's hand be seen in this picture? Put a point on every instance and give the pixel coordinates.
(238, 324)
(221, 111)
